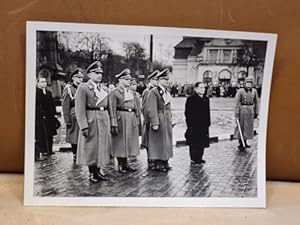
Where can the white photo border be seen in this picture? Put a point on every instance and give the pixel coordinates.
(30, 200)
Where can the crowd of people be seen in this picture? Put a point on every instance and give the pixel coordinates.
(105, 121)
(223, 89)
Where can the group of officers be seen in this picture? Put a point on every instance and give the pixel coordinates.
(103, 123)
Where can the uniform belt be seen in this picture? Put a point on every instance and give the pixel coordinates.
(246, 103)
(101, 108)
(126, 110)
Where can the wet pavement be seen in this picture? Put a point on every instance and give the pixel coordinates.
(226, 173)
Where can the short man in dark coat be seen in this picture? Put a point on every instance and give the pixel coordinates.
(197, 114)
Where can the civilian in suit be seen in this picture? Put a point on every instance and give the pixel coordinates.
(46, 122)
(197, 114)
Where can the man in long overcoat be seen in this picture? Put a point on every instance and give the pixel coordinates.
(153, 81)
(68, 108)
(246, 110)
(45, 125)
(160, 133)
(124, 115)
(197, 114)
(91, 108)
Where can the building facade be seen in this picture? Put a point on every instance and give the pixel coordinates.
(48, 63)
(215, 61)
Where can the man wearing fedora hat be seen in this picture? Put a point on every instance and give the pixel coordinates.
(68, 108)
(124, 115)
(160, 118)
(246, 110)
(91, 108)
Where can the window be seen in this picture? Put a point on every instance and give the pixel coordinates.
(227, 56)
(212, 55)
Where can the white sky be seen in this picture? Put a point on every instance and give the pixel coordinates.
(163, 45)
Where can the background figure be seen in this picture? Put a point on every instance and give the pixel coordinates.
(94, 140)
(123, 109)
(160, 116)
(146, 122)
(197, 114)
(68, 107)
(133, 88)
(246, 110)
(45, 120)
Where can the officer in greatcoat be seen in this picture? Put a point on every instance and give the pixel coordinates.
(153, 81)
(68, 108)
(197, 114)
(46, 122)
(91, 108)
(246, 110)
(160, 117)
(124, 115)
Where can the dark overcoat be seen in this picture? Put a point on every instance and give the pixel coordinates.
(68, 108)
(160, 144)
(197, 114)
(96, 148)
(45, 121)
(246, 107)
(126, 142)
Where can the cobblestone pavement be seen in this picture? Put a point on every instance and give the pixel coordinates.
(226, 173)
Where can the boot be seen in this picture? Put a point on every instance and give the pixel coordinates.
(101, 175)
(93, 174)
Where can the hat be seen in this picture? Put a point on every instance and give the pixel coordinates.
(152, 75)
(77, 73)
(95, 67)
(249, 79)
(133, 81)
(162, 74)
(125, 74)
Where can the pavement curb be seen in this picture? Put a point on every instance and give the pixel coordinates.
(213, 139)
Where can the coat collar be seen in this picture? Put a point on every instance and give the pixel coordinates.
(160, 90)
(120, 89)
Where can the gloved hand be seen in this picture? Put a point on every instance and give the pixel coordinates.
(85, 132)
(114, 131)
(155, 128)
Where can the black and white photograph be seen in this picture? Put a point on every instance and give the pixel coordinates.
(146, 116)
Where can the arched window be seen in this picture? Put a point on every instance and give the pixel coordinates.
(225, 75)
